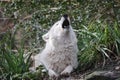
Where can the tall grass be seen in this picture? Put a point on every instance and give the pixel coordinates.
(15, 55)
(12, 63)
(98, 42)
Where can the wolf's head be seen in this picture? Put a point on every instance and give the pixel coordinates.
(60, 29)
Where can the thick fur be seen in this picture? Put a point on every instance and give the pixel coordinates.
(60, 53)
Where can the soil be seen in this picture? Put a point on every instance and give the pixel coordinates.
(110, 69)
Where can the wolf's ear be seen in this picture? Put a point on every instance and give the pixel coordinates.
(45, 37)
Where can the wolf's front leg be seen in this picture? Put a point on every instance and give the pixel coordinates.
(67, 70)
(52, 73)
(36, 63)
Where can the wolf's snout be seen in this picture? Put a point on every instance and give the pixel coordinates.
(65, 16)
(66, 21)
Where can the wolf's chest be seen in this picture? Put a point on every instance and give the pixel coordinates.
(59, 55)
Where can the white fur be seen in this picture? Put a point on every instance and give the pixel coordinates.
(60, 53)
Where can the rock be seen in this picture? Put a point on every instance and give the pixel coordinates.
(117, 79)
(117, 68)
(103, 75)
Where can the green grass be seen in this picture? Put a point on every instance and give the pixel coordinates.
(12, 63)
(15, 57)
(98, 41)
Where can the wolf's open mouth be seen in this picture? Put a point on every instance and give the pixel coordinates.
(66, 22)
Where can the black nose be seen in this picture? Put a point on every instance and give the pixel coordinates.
(65, 16)
(65, 22)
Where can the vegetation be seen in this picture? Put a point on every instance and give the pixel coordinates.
(96, 23)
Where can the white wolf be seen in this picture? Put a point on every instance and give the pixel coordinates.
(60, 53)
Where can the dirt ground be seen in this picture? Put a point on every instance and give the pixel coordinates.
(111, 69)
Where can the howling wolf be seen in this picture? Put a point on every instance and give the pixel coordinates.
(60, 53)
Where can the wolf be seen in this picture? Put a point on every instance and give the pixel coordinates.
(59, 56)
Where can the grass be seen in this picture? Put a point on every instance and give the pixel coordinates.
(15, 60)
(98, 41)
(12, 63)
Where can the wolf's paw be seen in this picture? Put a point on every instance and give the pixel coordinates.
(52, 73)
(67, 71)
